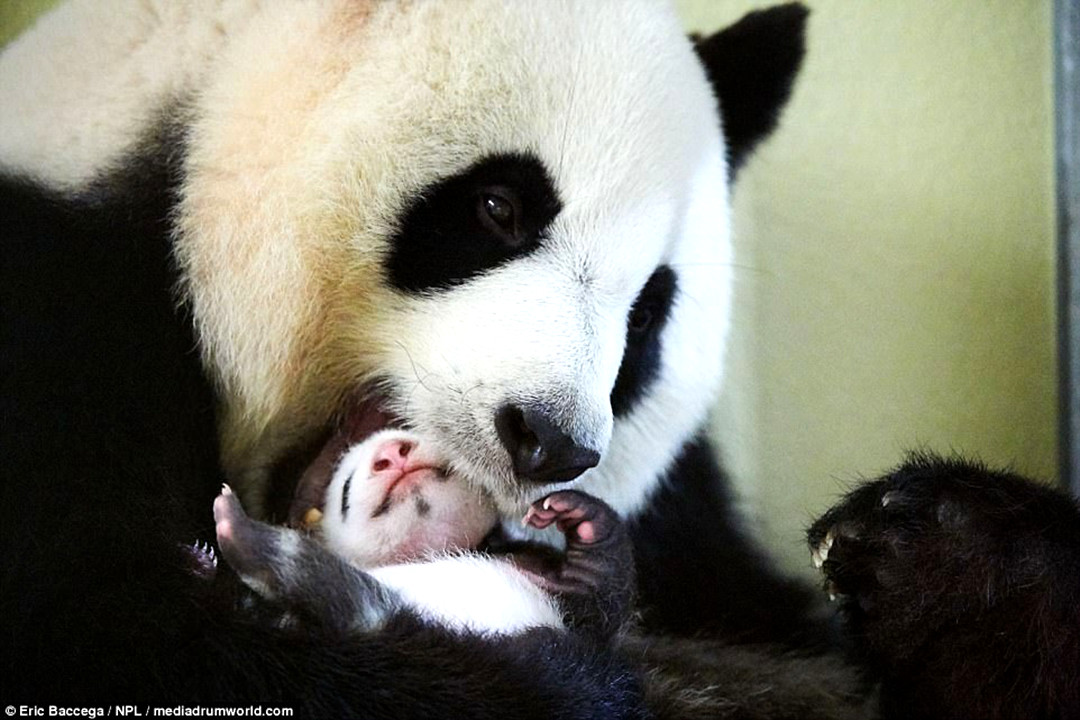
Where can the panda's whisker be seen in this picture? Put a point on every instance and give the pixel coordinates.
(568, 116)
(406, 410)
(415, 368)
(684, 296)
(465, 394)
(450, 368)
(711, 265)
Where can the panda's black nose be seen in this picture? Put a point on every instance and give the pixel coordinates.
(540, 451)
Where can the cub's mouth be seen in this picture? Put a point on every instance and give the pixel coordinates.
(298, 482)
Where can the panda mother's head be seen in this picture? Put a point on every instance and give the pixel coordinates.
(503, 225)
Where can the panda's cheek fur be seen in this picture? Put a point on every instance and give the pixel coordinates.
(522, 335)
(310, 217)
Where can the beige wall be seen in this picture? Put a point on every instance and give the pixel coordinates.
(895, 250)
(896, 254)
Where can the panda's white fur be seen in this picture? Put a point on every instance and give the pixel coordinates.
(80, 88)
(279, 154)
(309, 214)
(281, 239)
(471, 592)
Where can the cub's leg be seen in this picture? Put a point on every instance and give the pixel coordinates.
(594, 579)
(289, 568)
(962, 585)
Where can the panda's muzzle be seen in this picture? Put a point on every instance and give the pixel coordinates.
(540, 451)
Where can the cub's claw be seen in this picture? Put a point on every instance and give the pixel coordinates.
(584, 520)
(201, 558)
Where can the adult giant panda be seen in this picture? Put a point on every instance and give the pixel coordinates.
(239, 234)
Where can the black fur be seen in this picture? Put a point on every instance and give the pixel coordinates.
(706, 679)
(644, 327)
(752, 66)
(299, 576)
(961, 587)
(110, 468)
(715, 581)
(593, 579)
(442, 240)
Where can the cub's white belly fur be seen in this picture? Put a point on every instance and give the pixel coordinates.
(471, 592)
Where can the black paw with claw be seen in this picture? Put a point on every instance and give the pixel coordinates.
(962, 586)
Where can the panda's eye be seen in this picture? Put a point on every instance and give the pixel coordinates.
(640, 320)
(499, 210)
(644, 335)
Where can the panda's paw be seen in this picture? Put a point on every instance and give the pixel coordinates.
(949, 574)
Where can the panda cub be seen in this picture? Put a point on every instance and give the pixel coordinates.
(397, 533)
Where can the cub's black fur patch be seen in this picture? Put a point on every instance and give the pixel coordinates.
(442, 239)
(644, 325)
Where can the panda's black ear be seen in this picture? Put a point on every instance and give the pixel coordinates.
(752, 65)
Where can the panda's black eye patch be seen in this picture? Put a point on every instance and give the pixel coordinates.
(492, 212)
(644, 326)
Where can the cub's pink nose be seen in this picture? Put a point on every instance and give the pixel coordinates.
(392, 455)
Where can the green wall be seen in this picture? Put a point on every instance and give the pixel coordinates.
(895, 242)
(16, 16)
(895, 250)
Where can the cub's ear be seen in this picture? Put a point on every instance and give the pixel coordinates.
(752, 65)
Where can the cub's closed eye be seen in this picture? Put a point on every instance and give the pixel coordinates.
(499, 210)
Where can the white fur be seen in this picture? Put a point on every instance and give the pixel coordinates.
(313, 125)
(81, 87)
(470, 592)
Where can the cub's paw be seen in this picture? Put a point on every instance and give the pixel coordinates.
(594, 578)
(307, 586)
(252, 548)
(584, 520)
(201, 559)
(962, 585)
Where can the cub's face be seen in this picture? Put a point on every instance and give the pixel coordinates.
(503, 227)
(389, 501)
